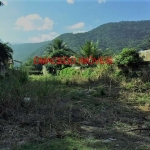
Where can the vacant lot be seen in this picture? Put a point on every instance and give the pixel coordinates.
(80, 112)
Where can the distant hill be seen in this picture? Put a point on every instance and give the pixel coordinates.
(23, 51)
(114, 36)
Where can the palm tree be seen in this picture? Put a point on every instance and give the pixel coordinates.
(89, 52)
(5, 52)
(58, 49)
(1, 3)
(59, 45)
(90, 49)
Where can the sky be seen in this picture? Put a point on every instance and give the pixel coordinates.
(31, 21)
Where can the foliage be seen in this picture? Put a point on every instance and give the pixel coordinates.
(107, 52)
(23, 52)
(90, 49)
(1, 77)
(1, 4)
(67, 72)
(113, 36)
(30, 66)
(87, 72)
(69, 143)
(72, 103)
(5, 52)
(58, 44)
(21, 75)
(57, 49)
(127, 57)
(100, 92)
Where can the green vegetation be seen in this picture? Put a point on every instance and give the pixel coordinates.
(128, 59)
(5, 52)
(22, 52)
(65, 144)
(112, 37)
(90, 49)
(57, 49)
(77, 108)
(1, 4)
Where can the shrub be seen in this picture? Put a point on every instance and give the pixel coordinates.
(67, 72)
(127, 57)
(23, 76)
(127, 60)
(87, 72)
(100, 92)
(1, 77)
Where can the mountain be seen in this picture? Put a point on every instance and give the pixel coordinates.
(23, 51)
(114, 36)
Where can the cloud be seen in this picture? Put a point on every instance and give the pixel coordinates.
(43, 37)
(70, 1)
(76, 26)
(34, 22)
(4, 2)
(101, 1)
(80, 31)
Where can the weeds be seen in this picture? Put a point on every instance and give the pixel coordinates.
(72, 97)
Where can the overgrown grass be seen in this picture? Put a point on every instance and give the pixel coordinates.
(66, 144)
(94, 95)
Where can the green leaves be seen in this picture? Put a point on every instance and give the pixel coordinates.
(5, 52)
(127, 60)
(90, 49)
(1, 4)
(59, 45)
(127, 56)
(58, 49)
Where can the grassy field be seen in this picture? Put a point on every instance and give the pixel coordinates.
(88, 109)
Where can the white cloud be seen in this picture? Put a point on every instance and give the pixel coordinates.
(81, 31)
(70, 1)
(4, 2)
(101, 1)
(43, 37)
(76, 26)
(34, 22)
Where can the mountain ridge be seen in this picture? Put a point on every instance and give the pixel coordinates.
(112, 35)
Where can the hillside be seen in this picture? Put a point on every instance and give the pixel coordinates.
(114, 36)
(23, 51)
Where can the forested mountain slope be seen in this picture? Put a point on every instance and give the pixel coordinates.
(114, 36)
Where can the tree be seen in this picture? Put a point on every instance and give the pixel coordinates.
(127, 59)
(90, 49)
(5, 52)
(58, 49)
(1, 4)
(58, 45)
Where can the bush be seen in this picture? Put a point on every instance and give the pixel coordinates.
(19, 75)
(67, 72)
(88, 72)
(35, 73)
(100, 92)
(23, 76)
(1, 77)
(127, 60)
